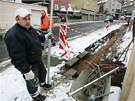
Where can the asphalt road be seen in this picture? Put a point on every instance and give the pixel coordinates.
(82, 28)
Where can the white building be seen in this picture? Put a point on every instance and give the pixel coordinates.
(112, 6)
(128, 7)
(8, 8)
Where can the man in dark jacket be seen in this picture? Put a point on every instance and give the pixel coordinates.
(25, 50)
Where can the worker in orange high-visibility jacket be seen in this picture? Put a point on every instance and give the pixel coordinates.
(45, 21)
(45, 24)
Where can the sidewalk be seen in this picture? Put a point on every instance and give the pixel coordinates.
(2, 32)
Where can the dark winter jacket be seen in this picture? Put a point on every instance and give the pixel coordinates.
(134, 27)
(24, 47)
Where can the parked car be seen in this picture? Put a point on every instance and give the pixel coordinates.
(109, 18)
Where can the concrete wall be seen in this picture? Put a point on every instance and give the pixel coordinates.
(91, 5)
(128, 85)
(7, 9)
(77, 4)
(85, 4)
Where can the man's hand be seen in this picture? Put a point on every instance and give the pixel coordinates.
(49, 35)
(29, 75)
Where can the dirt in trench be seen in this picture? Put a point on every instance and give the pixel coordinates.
(101, 54)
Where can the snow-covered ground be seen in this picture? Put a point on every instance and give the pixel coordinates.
(12, 85)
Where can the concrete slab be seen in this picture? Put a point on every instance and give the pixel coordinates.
(74, 60)
(71, 72)
(81, 55)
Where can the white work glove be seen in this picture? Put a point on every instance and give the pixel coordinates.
(29, 75)
(48, 35)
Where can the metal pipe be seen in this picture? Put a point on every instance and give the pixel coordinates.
(125, 49)
(49, 44)
(51, 16)
(106, 94)
(81, 88)
(48, 61)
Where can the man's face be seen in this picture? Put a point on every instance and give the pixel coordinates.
(24, 21)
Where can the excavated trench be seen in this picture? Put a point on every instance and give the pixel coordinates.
(100, 60)
(97, 62)
(98, 54)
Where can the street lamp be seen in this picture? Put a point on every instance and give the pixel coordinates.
(69, 10)
(63, 12)
(66, 12)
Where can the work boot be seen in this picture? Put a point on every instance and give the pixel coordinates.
(39, 98)
(46, 86)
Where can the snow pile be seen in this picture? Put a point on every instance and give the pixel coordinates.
(78, 45)
(116, 95)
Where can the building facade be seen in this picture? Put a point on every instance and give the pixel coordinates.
(112, 7)
(128, 7)
(58, 4)
(85, 4)
(7, 10)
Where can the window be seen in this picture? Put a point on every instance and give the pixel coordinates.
(56, 7)
(118, 5)
(113, 5)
